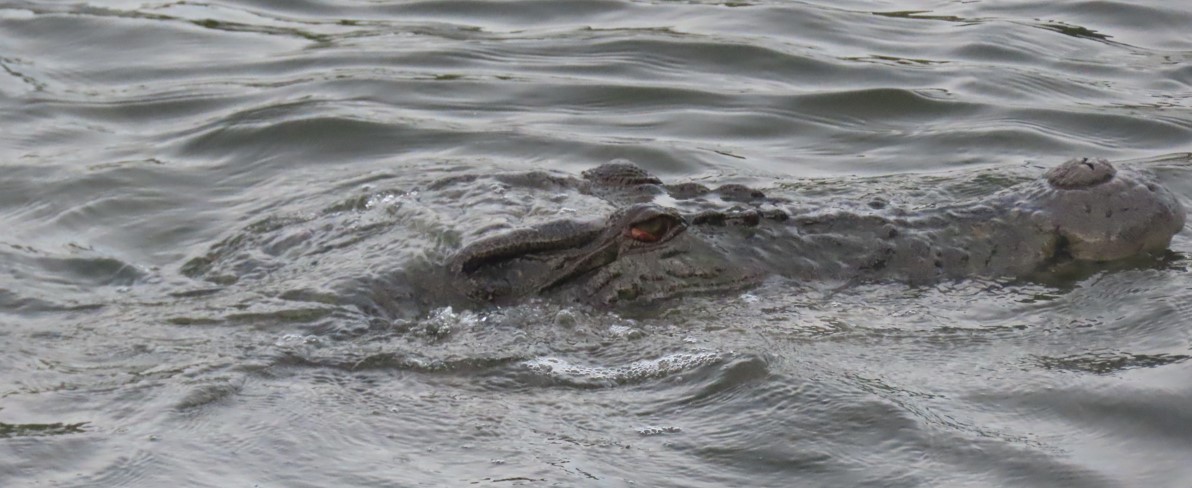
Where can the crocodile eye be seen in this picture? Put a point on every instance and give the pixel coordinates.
(652, 230)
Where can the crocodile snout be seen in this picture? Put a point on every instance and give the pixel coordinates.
(1104, 214)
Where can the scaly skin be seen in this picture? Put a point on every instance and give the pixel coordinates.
(1082, 210)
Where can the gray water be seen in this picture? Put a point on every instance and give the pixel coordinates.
(194, 196)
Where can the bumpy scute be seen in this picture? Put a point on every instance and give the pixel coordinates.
(620, 172)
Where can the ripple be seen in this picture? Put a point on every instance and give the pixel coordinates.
(214, 212)
(36, 281)
(38, 430)
(1110, 362)
(564, 372)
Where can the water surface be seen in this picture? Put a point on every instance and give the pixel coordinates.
(299, 141)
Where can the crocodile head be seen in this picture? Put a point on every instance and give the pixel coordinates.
(638, 255)
(1082, 210)
(1102, 214)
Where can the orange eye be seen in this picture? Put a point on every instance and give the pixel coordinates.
(651, 230)
(643, 235)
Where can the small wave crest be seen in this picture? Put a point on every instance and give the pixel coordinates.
(569, 373)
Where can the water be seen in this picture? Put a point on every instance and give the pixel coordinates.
(296, 142)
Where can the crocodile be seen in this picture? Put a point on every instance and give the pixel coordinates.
(1083, 210)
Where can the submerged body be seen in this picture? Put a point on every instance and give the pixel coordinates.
(661, 241)
(1082, 210)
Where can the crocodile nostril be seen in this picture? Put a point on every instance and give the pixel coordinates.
(1080, 173)
(1062, 250)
